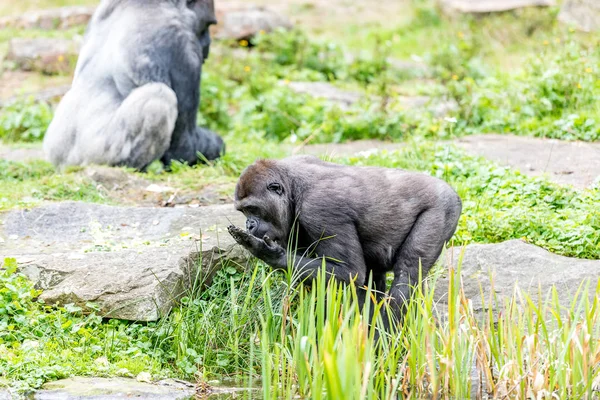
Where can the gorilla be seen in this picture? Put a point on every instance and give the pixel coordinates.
(136, 88)
(360, 220)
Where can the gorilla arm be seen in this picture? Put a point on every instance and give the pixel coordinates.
(335, 255)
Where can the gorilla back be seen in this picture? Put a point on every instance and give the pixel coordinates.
(136, 88)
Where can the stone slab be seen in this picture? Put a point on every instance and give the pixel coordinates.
(566, 163)
(489, 6)
(133, 262)
(55, 18)
(49, 95)
(357, 147)
(582, 14)
(346, 98)
(114, 388)
(511, 263)
(237, 21)
(20, 154)
(47, 55)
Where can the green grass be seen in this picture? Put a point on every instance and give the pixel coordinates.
(314, 343)
(517, 72)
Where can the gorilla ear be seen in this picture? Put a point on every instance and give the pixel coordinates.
(275, 187)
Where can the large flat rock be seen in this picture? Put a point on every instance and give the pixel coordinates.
(346, 98)
(46, 55)
(243, 21)
(347, 149)
(516, 263)
(113, 388)
(132, 262)
(570, 163)
(55, 18)
(488, 6)
(582, 14)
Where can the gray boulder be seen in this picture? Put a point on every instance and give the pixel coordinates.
(56, 18)
(515, 262)
(46, 55)
(582, 14)
(133, 263)
(345, 98)
(488, 6)
(244, 22)
(566, 163)
(111, 388)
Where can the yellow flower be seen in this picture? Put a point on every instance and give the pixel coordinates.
(460, 35)
(244, 43)
(546, 43)
(579, 86)
(454, 77)
(557, 40)
(588, 70)
(571, 30)
(61, 58)
(286, 82)
(262, 32)
(247, 68)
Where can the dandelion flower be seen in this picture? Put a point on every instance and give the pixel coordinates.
(454, 77)
(588, 70)
(546, 43)
(247, 68)
(579, 86)
(244, 43)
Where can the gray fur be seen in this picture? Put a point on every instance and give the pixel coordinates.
(136, 89)
(375, 220)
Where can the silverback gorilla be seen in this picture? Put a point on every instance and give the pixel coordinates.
(361, 219)
(136, 88)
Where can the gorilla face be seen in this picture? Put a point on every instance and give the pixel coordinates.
(264, 200)
(204, 10)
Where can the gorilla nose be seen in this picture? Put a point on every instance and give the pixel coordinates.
(251, 225)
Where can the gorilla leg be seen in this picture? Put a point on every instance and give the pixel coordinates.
(141, 128)
(421, 248)
(199, 140)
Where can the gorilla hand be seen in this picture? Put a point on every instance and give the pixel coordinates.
(265, 248)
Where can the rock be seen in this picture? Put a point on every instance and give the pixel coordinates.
(133, 263)
(344, 98)
(571, 163)
(56, 18)
(111, 388)
(516, 262)
(19, 154)
(359, 147)
(47, 55)
(50, 95)
(488, 6)
(582, 14)
(243, 22)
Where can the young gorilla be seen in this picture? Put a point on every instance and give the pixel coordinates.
(361, 219)
(136, 89)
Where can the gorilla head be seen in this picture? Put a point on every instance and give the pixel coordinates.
(204, 17)
(264, 198)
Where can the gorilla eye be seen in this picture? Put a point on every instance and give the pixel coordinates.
(275, 187)
(191, 2)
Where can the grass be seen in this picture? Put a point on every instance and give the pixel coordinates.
(517, 72)
(314, 343)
